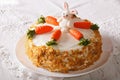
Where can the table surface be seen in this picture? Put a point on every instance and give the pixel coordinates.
(17, 15)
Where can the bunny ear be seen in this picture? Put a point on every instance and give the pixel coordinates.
(74, 12)
(66, 6)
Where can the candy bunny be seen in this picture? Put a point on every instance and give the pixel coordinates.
(67, 18)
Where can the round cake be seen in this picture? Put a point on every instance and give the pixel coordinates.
(65, 43)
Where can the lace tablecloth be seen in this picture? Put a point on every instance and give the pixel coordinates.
(16, 16)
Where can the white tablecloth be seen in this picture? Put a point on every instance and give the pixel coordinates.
(17, 15)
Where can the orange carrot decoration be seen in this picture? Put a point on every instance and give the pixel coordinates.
(43, 29)
(51, 20)
(56, 35)
(76, 34)
(79, 36)
(83, 25)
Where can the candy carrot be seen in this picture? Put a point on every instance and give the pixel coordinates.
(83, 25)
(76, 34)
(56, 35)
(43, 29)
(51, 20)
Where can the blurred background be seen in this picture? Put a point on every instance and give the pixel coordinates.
(95, 10)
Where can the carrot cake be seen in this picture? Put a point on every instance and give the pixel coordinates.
(65, 43)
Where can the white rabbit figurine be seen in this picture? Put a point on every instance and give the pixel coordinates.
(67, 19)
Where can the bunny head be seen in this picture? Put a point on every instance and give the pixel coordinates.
(66, 11)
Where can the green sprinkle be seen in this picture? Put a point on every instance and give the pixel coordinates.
(94, 27)
(41, 19)
(30, 33)
(84, 42)
(52, 42)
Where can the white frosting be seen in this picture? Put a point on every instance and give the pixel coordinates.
(66, 41)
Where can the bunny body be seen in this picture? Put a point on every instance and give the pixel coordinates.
(68, 22)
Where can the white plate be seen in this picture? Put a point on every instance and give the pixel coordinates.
(22, 57)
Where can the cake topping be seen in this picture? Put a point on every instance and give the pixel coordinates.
(43, 29)
(76, 34)
(86, 25)
(79, 36)
(73, 26)
(30, 33)
(84, 42)
(67, 18)
(52, 42)
(55, 36)
(51, 20)
(94, 27)
(41, 19)
(82, 24)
